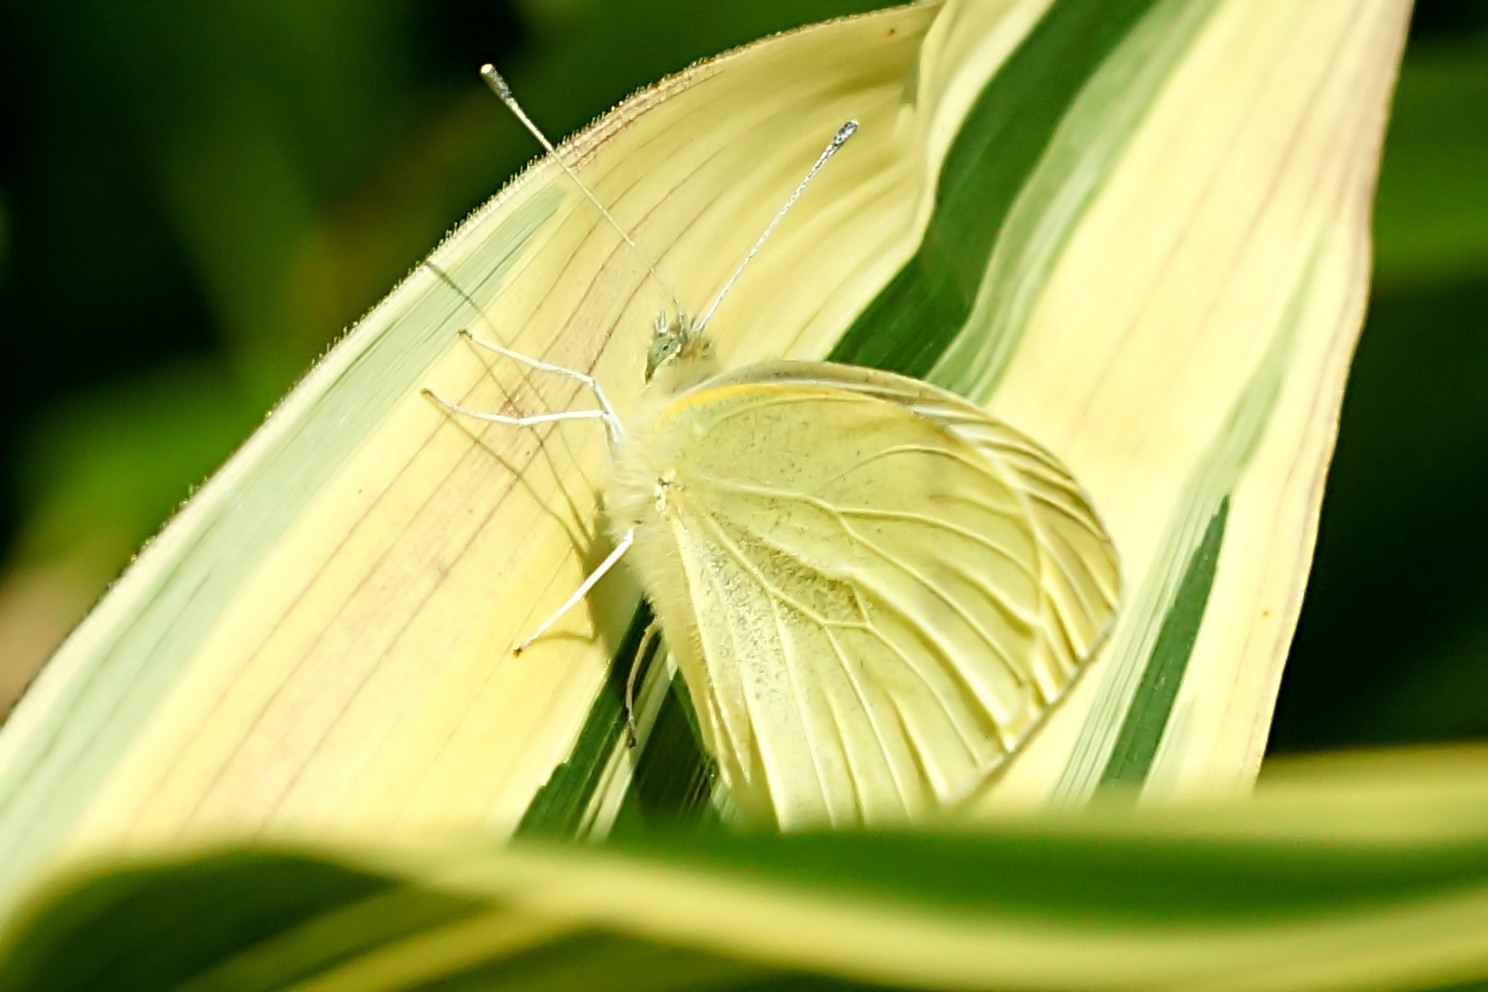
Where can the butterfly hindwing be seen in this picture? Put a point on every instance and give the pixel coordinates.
(874, 590)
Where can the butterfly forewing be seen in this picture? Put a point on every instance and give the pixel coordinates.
(874, 590)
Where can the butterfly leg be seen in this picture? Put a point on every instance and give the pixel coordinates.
(652, 629)
(501, 418)
(582, 591)
(610, 418)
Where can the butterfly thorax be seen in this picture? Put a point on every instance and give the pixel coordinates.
(641, 497)
(645, 474)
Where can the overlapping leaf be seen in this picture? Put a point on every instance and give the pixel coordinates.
(1355, 874)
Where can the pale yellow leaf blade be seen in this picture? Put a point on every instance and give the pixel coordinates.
(322, 637)
(1202, 315)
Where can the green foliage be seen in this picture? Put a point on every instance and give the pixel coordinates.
(1393, 642)
(1362, 876)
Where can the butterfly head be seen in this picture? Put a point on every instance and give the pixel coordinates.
(679, 352)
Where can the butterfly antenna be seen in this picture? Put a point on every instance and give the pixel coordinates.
(503, 92)
(838, 140)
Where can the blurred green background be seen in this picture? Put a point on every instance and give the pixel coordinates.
(195, 199)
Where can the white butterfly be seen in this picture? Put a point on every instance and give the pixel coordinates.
(874, 590)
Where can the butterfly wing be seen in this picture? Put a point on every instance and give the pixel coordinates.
(874, 590)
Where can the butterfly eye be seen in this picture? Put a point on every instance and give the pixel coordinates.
(661, 350)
